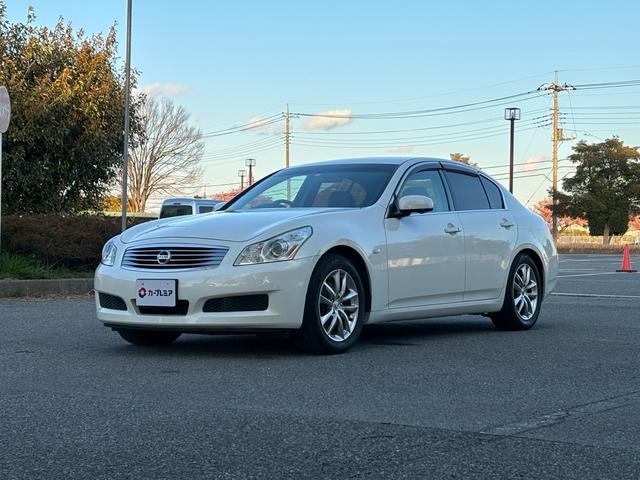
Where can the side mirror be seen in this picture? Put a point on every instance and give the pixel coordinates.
(409, 204)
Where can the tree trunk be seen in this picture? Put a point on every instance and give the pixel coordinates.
(605, 234)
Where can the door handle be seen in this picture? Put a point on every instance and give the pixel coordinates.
(505, 223)
(451, 228)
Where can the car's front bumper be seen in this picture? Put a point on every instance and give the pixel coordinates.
(284, 282)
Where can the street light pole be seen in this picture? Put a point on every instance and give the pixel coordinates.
(242, 174)
(250, 162)
(127, 101)
(511, 114)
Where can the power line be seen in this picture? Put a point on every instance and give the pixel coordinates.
(461, 108)
(619, 84)
(413, 144)
(444, 94)
(436, 127)
(256, 125)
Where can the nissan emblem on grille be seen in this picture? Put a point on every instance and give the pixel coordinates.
(164, 257)
(173, 256)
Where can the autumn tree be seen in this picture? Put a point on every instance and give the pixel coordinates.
(605, 188)
(544, 208)
(64, 143)
(462, 158)
(227, 194)
(166, 154)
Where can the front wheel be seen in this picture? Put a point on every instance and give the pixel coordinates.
(522, 298)
(334, 309)
(148, 337)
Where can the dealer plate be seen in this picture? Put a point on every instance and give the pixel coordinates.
(156, 293)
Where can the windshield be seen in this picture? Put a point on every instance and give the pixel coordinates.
(333, 186)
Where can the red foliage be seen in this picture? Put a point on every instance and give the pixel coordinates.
(543, 208)
(227, 195)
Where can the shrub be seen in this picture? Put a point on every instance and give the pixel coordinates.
(73, 241)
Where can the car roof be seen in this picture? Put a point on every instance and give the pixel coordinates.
(191, 199)
(392, 160)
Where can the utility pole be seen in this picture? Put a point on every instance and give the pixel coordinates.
(242, 173)
(127, 101)
(287, 136)
(511, 114)
(250, 162)
(558, 137)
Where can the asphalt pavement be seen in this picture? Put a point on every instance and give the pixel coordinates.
(440, 398)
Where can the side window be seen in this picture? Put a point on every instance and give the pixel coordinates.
(493, 192)
(429, 184)
(205, 209)
(467, 191)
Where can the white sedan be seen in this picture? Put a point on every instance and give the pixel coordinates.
(322, 249)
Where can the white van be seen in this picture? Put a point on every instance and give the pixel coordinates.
(175, 207)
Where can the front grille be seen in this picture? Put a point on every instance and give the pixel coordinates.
(111, 302)
(240, 303)
(173, 257)
(181, 308)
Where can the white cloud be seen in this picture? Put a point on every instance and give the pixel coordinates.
(329, 119)
(532, 162)
(158, 89)
(401, 150)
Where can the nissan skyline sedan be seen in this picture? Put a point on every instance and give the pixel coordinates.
(323, 249)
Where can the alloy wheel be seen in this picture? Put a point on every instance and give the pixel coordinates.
(338, 305)
(525, 292)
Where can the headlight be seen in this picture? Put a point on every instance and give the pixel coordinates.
(276, 249)
(109, 253)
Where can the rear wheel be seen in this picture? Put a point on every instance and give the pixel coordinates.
(334, 308)
(522, 298)
(148, 337)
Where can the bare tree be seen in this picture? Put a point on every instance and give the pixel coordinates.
(166, 152)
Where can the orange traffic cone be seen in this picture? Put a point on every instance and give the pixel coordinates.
(626, 261)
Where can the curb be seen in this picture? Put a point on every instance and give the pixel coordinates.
(43, 288)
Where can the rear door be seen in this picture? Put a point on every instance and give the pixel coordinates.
(425, 251)
(489, 229)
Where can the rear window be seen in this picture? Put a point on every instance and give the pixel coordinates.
(467, 191)
(493, 192)
(175, 210)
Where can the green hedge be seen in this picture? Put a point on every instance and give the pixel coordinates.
(73, 241)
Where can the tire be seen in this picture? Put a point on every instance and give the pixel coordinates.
(521, 306)
(148, 337)
(333, 317)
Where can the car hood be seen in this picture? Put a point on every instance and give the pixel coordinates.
(225, 226)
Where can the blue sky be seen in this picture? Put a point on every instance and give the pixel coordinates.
(229, 62)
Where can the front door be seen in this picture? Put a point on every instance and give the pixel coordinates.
(425, 251)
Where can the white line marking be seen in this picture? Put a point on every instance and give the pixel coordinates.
(600, 259)
(588, 274)
(596, 295)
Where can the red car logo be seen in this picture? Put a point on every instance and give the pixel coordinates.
(142, 292)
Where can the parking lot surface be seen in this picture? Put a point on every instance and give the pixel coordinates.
(439, 398)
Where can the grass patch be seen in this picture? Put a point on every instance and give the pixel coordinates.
(24, 267)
